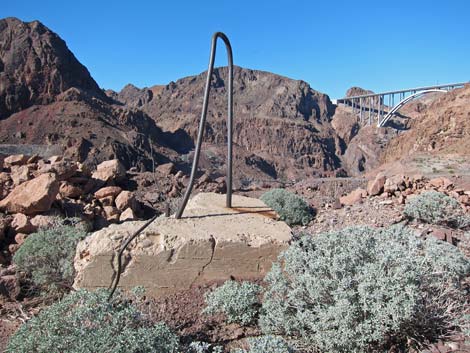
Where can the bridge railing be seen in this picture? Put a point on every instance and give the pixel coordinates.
(378, 106)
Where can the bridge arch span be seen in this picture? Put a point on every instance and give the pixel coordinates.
(400, 104)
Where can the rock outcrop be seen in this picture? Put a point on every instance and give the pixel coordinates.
(36, 66)
(209, 243)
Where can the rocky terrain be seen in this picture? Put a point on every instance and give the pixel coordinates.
(126, 157)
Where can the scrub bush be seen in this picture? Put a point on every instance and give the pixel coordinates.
(240, 302)
(267, 344)
(361, 289)
(436, 208)
(46, 257)
(291, 208)
(84, 322)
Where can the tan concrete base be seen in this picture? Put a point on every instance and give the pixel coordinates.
(210, 242)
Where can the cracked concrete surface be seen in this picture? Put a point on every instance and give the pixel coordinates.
(210, 243)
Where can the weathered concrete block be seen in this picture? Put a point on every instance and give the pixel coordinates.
(210, 242)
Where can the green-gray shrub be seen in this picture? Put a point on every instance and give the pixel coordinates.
(239, 302)
(291, 208)
(347, 291)
(84, 322)
(267, 344)
(204, 347)
(436, 208)
(46, 257)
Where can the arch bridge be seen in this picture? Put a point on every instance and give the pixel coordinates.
(381, 107)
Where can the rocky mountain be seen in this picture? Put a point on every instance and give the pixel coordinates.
(36, 66)
(281, 122)
(48, 97)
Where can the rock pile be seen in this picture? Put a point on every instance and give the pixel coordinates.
(35, 191)
(397, 188)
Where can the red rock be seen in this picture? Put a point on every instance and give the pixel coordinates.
(16, 159)
(69, 190)
(125, 200)
(43, 221)
(395, 183)
(33, 159)
(20, 238)
(166, 169)
(353, 197)
(127, 215)
(21, 224)
(441, 182)
(110, 170)
(107, 201)
(33, 196)
(64, 169)
(108, 191)
(111, 213)
(376, 186)
(20, 174)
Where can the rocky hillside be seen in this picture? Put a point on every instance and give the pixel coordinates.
(283, 122)
(36, 66)
(442, 127)
(48, 97)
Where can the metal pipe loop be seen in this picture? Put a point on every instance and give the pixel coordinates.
(202, 122)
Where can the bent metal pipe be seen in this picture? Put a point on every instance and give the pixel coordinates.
(216, 35)
(202, 122)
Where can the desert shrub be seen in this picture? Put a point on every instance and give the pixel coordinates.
(267, 344)
(436, 208)
(46, 257)
(204, 347)
(291, 208)
(84, 322)
(361, 289)
(240, 302)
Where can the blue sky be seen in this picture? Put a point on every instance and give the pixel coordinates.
(333, 45)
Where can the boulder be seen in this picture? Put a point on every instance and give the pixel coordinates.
(43, 221)
(394, 183)
(127, 215)
(108, 191)
(15, 159)
(166, 169)
(376, 186)
(107, 201)
(125, 200)
(111, 213)
(210, 243)
(110, 170)
(64, 169)
(353, 197)
(33, 196)
(70, 190)
(441, 182)
(20, 174)
(22, 224)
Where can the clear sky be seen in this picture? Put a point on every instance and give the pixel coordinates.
(333, 45)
